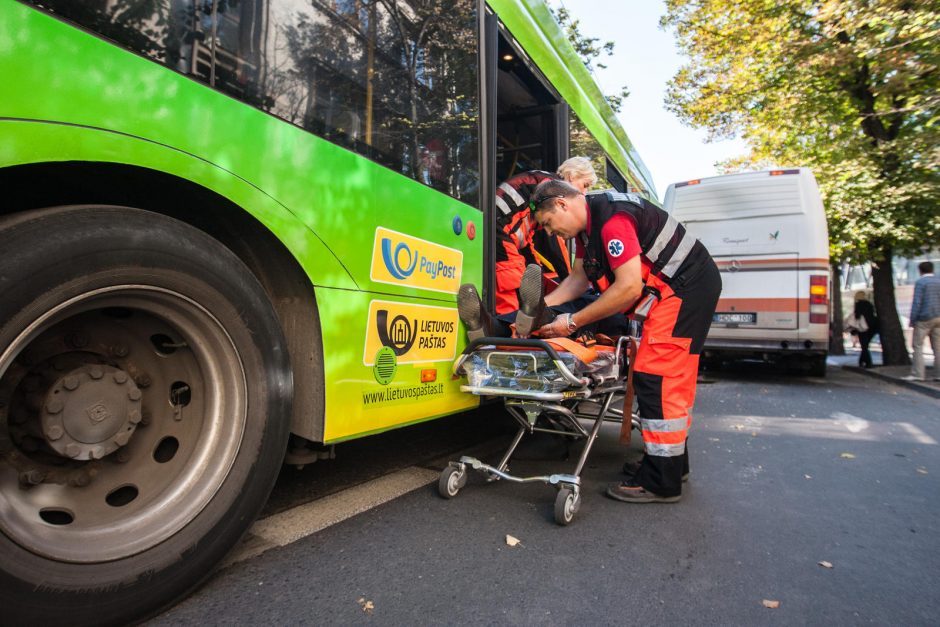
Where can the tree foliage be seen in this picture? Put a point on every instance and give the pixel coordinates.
(593, 53)
(846, 87)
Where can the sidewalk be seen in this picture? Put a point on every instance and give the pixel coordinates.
(892, 374)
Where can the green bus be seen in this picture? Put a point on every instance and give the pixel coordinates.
(233, 230)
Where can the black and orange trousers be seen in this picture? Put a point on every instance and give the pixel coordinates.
(666, 369)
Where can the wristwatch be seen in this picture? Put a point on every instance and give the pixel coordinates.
(572, 327)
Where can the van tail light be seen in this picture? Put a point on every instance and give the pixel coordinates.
(818, 299)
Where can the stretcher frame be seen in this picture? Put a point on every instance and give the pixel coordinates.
(563, 410)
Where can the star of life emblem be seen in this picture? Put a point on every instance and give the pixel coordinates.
(615, 247)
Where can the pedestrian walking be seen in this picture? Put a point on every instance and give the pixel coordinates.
(925, 319)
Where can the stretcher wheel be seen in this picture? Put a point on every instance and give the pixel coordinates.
(567, 504)
(452, 479)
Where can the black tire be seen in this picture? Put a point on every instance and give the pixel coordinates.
(451, 481)
(817, 366)
(567, 504)
(210, 323)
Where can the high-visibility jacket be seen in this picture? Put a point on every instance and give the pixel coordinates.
(664, 243)
(520, 242)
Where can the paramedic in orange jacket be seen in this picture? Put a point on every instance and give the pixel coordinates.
(519, 243)
(629, 248)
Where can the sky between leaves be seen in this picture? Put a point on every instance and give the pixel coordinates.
(645, 58)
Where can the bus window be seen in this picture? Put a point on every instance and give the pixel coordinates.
(391, 80)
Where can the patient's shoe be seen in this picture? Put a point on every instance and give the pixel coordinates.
(533, 312)
(470, 309)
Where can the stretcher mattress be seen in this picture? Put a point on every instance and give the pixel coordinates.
(533, 370)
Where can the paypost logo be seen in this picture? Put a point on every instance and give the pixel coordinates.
(415, 333)
(400, 259)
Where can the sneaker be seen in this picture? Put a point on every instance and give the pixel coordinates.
(911, 377)
(629, 492)
(532, 312)
(631, 468)
(470, 310)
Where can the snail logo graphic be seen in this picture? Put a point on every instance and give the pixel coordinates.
(399, 335)
(393, 259)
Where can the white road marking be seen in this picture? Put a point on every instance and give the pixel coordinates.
(851, 422)
(292, 525)
(856, 429)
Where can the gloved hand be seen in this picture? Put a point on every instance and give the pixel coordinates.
(559, 327)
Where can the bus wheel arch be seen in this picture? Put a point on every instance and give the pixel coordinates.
(42, 185)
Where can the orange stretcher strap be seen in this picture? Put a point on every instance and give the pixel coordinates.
(582, 352)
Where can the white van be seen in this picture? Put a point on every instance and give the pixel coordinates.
(767, 233)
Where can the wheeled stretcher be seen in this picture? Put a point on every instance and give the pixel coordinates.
(550, 379)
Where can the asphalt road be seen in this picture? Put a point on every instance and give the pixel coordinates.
(787, 472)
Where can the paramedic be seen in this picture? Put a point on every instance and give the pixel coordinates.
(518, 243)
(631, 251)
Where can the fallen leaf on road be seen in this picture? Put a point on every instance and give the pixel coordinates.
(739, 427)
(367, 606)
(512, 540)
(807, 476)
(847, 456)
(922, 471)
(825, 564)
(771, 604)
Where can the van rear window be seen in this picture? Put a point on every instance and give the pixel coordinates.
(742, 198)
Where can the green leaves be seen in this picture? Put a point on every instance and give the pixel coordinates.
(847, 87)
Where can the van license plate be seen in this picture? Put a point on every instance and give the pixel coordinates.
(735, 318)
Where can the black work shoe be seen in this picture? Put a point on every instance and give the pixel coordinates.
(631, 468)
(470, 310)
(532, 312)
(629, 492)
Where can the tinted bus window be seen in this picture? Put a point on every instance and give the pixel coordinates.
(394, 80)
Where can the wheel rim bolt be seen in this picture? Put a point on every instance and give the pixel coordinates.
(133, 394)
(96, 373)
(134, 416)
(32, 477)
(120, 377)
(73, 450)
(143, 381)
(54, 406)
(122, 438)
(79, 480)
(54, 432)
(77, 340)
(71, 383)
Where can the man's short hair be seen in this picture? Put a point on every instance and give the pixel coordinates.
(577, 167)
(925, 267)
(547, 190)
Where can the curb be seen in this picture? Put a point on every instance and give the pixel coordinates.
(911, 385)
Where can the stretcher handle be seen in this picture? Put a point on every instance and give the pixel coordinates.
(522, 343)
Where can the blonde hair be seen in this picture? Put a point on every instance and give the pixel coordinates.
(578, 167)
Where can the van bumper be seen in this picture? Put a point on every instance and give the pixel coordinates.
(761, 347)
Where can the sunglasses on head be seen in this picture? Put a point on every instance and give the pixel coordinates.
(535, 204)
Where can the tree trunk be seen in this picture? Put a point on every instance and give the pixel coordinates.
(836, 343)
(893, 346)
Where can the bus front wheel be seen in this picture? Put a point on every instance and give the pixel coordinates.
(145, 393)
